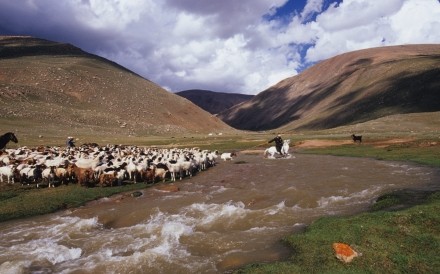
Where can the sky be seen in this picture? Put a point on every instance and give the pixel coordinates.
(236, 46)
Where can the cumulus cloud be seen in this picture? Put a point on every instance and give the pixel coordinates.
(231, 46)
(360, 24)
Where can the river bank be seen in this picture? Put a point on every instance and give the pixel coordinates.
(257, 203)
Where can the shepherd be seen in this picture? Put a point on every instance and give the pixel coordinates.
(70, 142)
(278, 143)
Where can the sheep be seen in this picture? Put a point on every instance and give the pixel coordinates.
(201, 160)
(31, 174)
(87, 163)
(100, 168)
(48, 175)
(228, 156)
(9, 172)
(160, 173)
(132, 170)
(147, 175)
(130, 162)
(174, 167)
(212, 157)
(61, 174)
(5, 159)
(84, 175)
(108, 178)
(120, 174)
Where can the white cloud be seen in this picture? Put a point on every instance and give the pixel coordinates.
(359, 24)
(222, 45)
(311, 7)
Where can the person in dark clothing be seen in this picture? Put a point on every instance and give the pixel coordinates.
(278, 143)
(70, 142)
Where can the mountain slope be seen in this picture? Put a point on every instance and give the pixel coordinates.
(347, 89)
(214, 102)
(59, 88)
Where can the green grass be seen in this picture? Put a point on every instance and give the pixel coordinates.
(405, 241)
(419, 151)
(20, 202)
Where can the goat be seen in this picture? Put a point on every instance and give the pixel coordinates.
(356, 138)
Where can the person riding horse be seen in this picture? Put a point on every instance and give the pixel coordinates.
(278, 143)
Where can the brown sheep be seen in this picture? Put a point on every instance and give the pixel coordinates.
(84, 176)
(160, 173)
(108, 179)
(147, 175)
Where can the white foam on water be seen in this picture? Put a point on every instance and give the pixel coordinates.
(37, 250)
(14, 267)
(49, 250)
(169, 229)
(276, 208)
(219, 190)
(208, 215)
(47, 241)
(354, 198)
(260, 229)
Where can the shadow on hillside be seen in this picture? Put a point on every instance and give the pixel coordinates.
(378, 96)
(406, 93)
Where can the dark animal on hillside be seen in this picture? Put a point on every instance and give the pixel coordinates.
(356, 138)
(5, 138)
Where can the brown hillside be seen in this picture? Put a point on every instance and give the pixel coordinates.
(62, 90)
(347, 89)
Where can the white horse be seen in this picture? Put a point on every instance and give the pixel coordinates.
(272, 151)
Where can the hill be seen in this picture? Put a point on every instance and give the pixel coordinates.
(347, 89)
(50, 88)
(214, 102)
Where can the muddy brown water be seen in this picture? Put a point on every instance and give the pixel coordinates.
(230, 215)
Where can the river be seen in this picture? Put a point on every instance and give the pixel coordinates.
(230, 215)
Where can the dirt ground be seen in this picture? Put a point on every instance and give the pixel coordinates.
(329, 143)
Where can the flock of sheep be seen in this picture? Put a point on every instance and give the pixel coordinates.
(110, 165)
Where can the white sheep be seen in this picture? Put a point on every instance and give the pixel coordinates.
(48, 175)
(7, 171)
(228, 156)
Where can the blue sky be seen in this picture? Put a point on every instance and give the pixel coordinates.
(241, 46)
